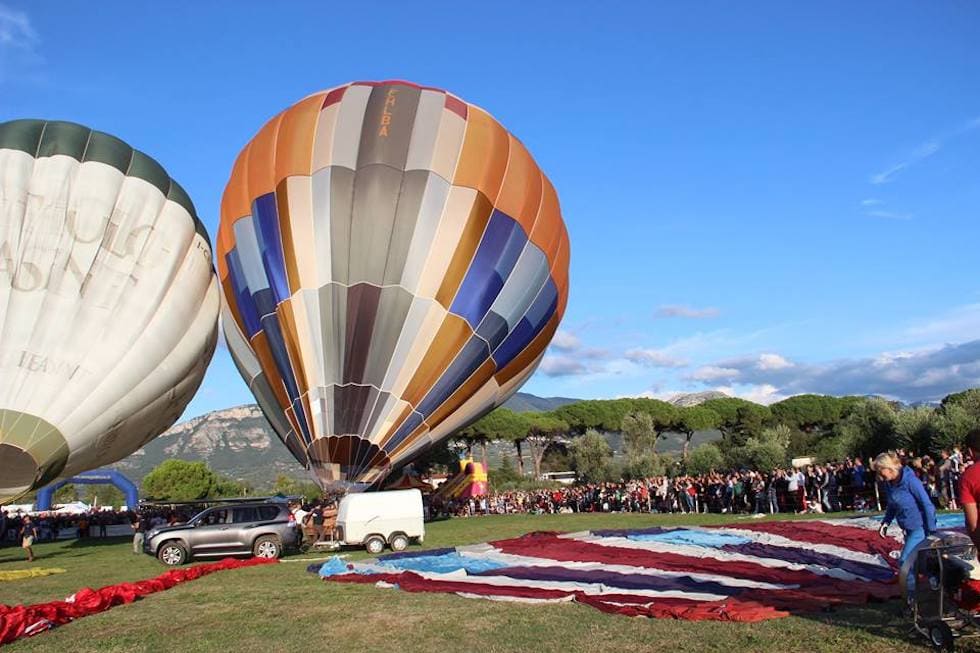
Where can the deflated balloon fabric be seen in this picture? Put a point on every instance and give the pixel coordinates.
(627, 573)
(26, 620)
(440, 563)
(33, 572)
(691, 537)
(335, 565)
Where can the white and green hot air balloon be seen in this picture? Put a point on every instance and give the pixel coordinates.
(108, 301)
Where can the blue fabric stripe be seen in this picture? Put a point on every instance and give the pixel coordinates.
(266, 214)
(626, 532)
(277, 345)
(247, 310)
(443, 563)
(530, 325)
(401, 555)
(685, 537)
(474, 353)
(411, 423)
(809, 557)
(493, 262)
(493, 329)
(615, 579)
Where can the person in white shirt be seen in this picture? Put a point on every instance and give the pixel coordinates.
(796, 481)
(794, 484)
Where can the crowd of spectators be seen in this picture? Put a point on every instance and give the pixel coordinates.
(848, 485)
(53, 525)
(843, 486)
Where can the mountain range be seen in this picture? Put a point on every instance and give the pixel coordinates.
(239, 443)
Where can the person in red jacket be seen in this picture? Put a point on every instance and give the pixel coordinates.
(970, 488)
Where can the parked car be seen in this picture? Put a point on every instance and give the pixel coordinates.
(378, 519)
(263, 529)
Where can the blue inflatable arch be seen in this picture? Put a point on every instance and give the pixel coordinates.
(96, 477)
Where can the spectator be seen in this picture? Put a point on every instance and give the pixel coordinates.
(907, 502)
(139, 533)
(28, 533)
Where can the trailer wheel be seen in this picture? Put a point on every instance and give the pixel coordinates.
(941, 638)
(374, 544)
(399, 542)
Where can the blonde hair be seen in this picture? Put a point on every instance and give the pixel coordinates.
(887, 459)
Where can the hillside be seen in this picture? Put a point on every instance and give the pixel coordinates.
(239, 443)
(236, 442)
(522, 402)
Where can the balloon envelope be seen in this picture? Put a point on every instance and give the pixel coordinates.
(108, 301)
(393, 265)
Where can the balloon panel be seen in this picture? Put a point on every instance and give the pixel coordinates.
(392, 259)
(108, 301)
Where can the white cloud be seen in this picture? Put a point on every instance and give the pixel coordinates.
(677, 310)
(562, 366)
(704, 345)
(889, 215)
(594, 353)
(920, 153)
(16, 30)
(924, 151)
(19, 58)
(654, 358)
(922, 375)
(565, 341)
(773, 362)
(761, 394)
(871, 202)
(957, 325)
(713, 373)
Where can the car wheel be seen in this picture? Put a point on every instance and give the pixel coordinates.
(374, 544)
(399, 542)
(267, 546)
(172, 554)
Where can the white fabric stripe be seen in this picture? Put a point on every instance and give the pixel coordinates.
(867, 523)
(247, 244)
(785, 542)
(519, 599)
(512, 560)
(591, 589)
(703, 552)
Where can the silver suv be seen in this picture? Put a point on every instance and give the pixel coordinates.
(262, 529)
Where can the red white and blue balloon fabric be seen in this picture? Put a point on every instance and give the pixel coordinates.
(749, 572)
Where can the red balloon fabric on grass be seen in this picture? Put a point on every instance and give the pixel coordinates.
(27, 620)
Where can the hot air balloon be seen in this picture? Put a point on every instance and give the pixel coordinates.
(108, 301)
(393, 264)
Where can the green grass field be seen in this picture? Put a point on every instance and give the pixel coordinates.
(284, 608)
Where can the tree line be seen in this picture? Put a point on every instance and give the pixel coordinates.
(752, 435)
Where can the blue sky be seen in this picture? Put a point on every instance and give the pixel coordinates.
(768, 199)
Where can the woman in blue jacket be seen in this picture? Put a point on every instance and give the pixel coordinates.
(908, 502)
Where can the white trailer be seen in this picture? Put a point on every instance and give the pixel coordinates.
(376, 519)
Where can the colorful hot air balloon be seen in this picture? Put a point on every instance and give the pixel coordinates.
(108, 301)
(394, 264)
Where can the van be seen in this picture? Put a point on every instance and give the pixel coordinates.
(378, 519)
